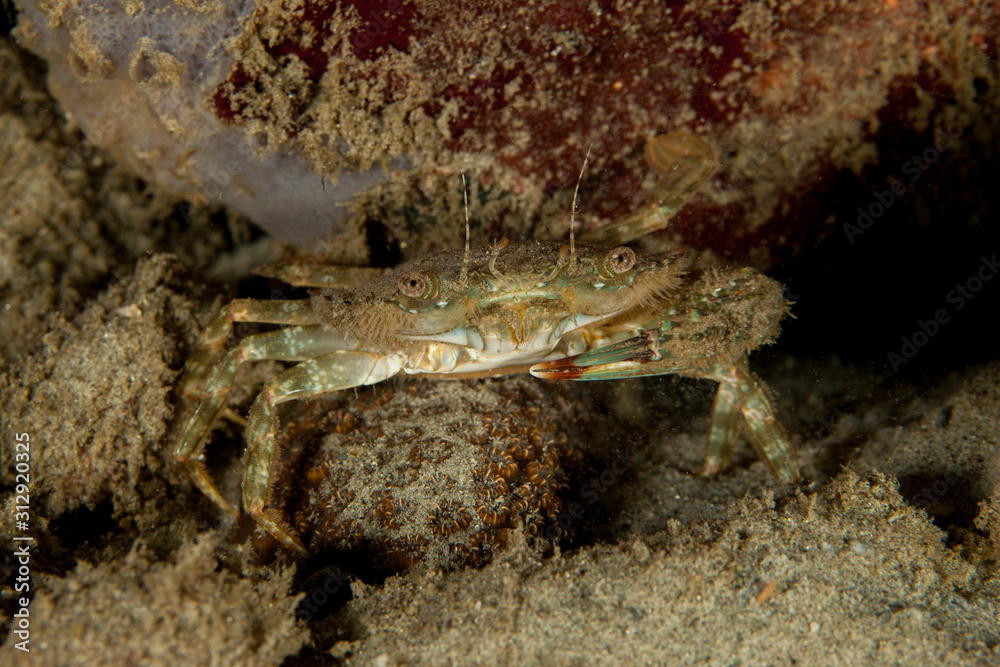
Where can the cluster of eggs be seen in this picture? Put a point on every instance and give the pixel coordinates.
(438, 472)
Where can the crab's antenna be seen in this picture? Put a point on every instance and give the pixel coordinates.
(464, 276)
(572, 214)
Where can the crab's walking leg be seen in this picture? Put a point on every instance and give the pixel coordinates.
(292, 344)
(725, 428)
(322, 375)
(684, 161)
(213, 339)
(740, 391)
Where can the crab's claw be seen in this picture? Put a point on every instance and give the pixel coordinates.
(635, 357)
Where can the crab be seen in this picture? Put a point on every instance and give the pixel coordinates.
(558, 311)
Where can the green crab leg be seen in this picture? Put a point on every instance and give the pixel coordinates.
(313, 273)
(740, 389)
(740, 392)
(331, 372)
(724, 431)
(684, 161)
(292, 344)
(213, 339)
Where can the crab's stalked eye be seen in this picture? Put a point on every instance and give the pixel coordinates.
(420, 286)
(618, 261)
